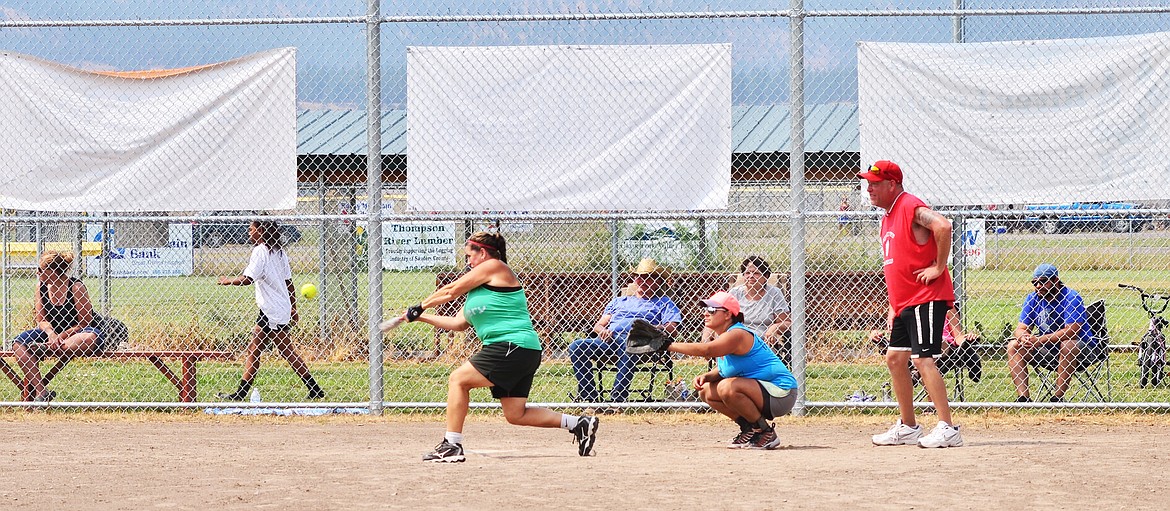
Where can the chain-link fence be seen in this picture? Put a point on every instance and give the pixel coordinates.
(797, 206)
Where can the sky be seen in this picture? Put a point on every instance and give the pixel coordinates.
(331, 57)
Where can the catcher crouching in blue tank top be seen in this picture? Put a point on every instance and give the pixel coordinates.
(749, 384)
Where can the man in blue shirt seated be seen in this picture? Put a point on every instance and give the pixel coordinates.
(647, 303)
(1062, 334)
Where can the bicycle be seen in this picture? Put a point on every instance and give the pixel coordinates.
(1152, 346)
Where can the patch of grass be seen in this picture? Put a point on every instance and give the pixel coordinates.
(426, 381)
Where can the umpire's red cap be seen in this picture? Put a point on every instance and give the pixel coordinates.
(882, 170)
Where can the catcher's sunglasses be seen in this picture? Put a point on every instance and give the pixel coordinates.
(712, 310)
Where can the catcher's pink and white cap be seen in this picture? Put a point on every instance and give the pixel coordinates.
(725, 300)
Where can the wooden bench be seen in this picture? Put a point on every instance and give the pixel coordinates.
(572, 302)
(185, 382)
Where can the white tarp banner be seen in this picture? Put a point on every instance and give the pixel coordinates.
(558, 128)
(214, 137)
(1022, 121)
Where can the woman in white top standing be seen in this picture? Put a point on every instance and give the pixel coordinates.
(269, 270)
(765, 310)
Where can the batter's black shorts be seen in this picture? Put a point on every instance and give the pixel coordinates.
(510, 368)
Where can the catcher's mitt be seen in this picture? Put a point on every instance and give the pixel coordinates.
(644, 338)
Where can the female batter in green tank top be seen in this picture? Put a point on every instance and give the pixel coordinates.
(498, 310)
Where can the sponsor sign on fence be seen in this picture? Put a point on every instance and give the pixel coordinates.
(174, 259)
(975, 242)
(417, 245)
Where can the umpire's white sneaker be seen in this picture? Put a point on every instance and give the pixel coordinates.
(943, 435)
(899, 434)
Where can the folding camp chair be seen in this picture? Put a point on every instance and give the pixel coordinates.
(957, 377)
(956, 365)
(650, 364)
(1092, 370)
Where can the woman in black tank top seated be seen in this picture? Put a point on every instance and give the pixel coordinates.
(64, 322)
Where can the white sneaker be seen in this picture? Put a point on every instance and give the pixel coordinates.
(943, 435)
(899, 434)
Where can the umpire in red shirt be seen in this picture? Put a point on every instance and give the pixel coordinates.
(915, 243)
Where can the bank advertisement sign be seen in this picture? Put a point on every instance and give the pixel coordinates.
(173, 259)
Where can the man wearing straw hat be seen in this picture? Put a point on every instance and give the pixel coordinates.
(647, 303)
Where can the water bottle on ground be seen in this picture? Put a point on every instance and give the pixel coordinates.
(255, 396)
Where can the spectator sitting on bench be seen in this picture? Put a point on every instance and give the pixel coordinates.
(64, 317)
(1062, 332)
(648, 303)
(765, 311)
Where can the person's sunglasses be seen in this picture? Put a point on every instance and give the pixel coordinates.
(713, 310)
(1040, 281)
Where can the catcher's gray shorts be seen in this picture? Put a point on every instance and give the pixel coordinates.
(777, 401)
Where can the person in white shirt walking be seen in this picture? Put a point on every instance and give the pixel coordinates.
(269, 271)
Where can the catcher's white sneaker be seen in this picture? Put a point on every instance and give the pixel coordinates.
(743, 439)
(899, 434)
(943, 435)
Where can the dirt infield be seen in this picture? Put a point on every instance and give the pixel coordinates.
(654, 462)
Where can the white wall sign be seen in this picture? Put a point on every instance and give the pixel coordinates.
(975, 242)
(362, 207)
(417, 245)
(174, 259)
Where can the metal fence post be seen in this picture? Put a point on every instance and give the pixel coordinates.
(957, 29)
(703, 256)
(4, 288)
(796, 177)
(959, 225)
(613, 258)
(105, 265)
(959, 255)
(374, 197)
(322, 265)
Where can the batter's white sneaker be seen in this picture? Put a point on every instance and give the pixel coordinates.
(446, 452)
(585, 434)
(899, 434)
(943, 435)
